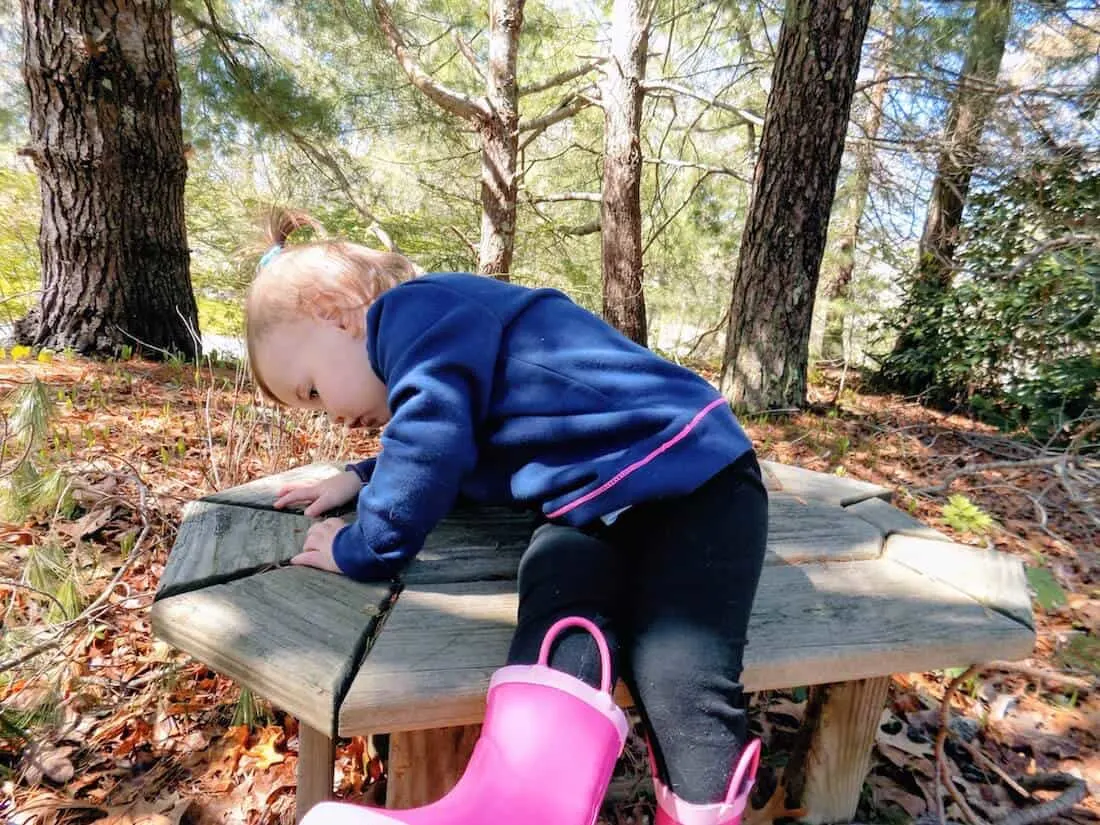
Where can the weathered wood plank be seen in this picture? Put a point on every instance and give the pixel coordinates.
(810, 484)
(473, 544)
(839, 754)
(293, 635)
(996, 580)
(801, 531)
(892, 521)
(261, 492)
(219, 542)
(468, 546)
(425, 764)
(316, 768)
(811, 624)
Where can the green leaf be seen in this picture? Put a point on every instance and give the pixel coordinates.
(1048, 592)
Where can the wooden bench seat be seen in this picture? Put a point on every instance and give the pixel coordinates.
(853, 591)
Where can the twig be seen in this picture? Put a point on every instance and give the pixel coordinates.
(993, 766)
(943, 773)
(1040, 674)
(98, 606)
(971, 469)
(1075, 791)
(14, 584)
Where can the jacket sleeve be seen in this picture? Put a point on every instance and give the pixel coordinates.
(364, 469)
(437, 351)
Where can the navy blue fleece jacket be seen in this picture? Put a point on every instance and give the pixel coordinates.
(518, 396)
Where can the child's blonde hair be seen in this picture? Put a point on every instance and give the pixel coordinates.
(333, 280)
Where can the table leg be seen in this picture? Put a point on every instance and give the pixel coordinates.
(316, 762)
(425, 764)
(837, 737)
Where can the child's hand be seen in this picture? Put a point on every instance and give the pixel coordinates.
(317, 550)
(320, 495)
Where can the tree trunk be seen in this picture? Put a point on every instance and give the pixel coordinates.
(621, 209)
(817, 60)
(959, 155)
(107, 142)
(835, 286)
(495, 116)
(499, 141)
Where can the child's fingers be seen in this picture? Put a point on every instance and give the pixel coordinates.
(309, 558)
(298, 495)
(318, 506)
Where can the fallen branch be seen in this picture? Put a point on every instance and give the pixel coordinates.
(972, 469)
(1075, 791)
(943, 773)
(1043, 675)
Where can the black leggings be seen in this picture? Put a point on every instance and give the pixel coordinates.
(671, 584)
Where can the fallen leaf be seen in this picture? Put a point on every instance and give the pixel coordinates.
(265, 752)
(775, 808)
(892, 732)
(168, 810)
(42, 760)
(89, 524)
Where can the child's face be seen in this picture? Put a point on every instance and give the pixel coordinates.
(318, 365)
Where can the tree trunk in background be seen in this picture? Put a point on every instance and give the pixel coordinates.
(495, 117)
(959, 155)
(835, 285)
(817, 60)
(621, 209)
(499, 141)
(106, 139)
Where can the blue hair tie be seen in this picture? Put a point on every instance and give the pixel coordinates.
(270, 255)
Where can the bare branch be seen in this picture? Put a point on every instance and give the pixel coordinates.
(702, 167)
(593, 197)
(457, 103)
(590, 228)
(538, 125)
(747, 117)
(561, 77)
(468, 53)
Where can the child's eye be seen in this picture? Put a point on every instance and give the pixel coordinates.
(313, 394)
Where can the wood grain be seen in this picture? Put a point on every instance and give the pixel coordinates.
(261, 492)
(811, 624)
(810, 484)
(892, 521)
(425, 764)
(294, 636)
(995, 580)
(220, 542)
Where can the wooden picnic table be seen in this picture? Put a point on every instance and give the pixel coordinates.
(853, 591)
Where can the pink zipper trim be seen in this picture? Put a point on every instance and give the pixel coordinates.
(641, 462)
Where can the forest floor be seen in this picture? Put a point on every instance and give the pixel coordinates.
(101, 722)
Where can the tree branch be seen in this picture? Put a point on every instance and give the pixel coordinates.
(468, 53)
(593, 197)
(536, 126)
(561, 77)
(590, 228)
(747, 117)
(702, 167)
(456, 103)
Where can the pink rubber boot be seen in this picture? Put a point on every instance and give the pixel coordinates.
(547, 749)
(671, 810)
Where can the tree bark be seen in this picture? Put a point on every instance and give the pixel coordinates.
(106, 139)
(959, 155)
(495, 117)
(621, 210)
(835, 286)
(817, 61)
(500, 140)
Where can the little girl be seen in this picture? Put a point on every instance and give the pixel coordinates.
(653, 511)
